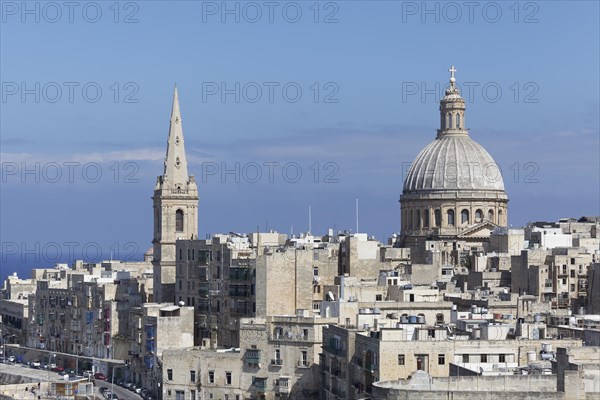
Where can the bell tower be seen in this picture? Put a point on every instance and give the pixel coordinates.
(175, 209)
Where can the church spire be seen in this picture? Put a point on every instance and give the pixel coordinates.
(175, 171)
(452, 110)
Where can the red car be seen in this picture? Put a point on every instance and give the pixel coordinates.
(100, 375)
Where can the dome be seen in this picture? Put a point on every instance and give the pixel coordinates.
(453, 162)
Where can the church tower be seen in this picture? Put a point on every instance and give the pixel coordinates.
(175, 209)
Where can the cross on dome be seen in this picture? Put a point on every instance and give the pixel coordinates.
(452, 70)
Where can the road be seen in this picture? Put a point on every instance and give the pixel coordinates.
(24, 370)
(123, 394)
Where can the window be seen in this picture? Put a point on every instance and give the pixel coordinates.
(478, 215)
(441, 359)
(465, 358)
(315, 271)
(304, 358)
(572, 287)
(410, 220)
(572, 273)
(179, 220)
(277, 356)
(316, 306)
(401, 359)
(450, 217)
(211, 376)
(305, 334)
(491, 215)
(228, 378)
(431, 333)
(378, 297)
(418, 222)
(464, 217)
(438, 217)
(192, 376)
(170, 374)
(439, 318)
(426, 218)
(457, 120)
(484, 358)
(502, 358)
(572, 262)
(179, 395)
(499, 217)
(193, 394)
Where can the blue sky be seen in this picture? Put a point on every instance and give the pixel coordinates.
(369, 117)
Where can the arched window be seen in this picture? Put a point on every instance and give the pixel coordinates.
(450, 121)
(179, 220)
(464, 217)
(418, 224)
(410, 219)
(491, 215)
(457, 120)
(500, 222)
(450, 217)
(478, 215)
(438, 217)
(426, 218)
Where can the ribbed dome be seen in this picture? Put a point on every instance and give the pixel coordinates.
(453, 162)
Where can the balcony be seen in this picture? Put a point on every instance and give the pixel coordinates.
(252, 357)
(277, 362)
(260, 384)
(282, 387)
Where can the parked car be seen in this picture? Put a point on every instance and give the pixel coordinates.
(35, 364)
(87, 374)
(138, 390)
(107, 394)
(100, 375)
(127, 385)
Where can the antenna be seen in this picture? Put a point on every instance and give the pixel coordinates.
(357, 215)
(309, 220)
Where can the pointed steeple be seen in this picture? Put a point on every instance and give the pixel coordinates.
(176, 171)
(452, 110)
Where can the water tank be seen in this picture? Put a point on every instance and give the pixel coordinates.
(421, 319)
(484, 310)
(412, 319)
(473, 308)
(477, 310)
(476, 333)
(546, 347)
(531, 356)
(454, 307)
(537, 318)
(376, 310)
(546, 356)
(404, 319)
(581, 310)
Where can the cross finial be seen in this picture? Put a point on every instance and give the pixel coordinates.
(452, 70)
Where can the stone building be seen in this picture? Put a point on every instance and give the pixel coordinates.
(453, 189)
(175, 209)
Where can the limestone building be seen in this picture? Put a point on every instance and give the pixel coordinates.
(453, 189)
(175, 209)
